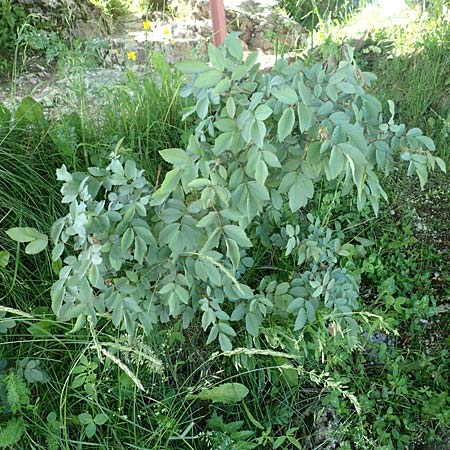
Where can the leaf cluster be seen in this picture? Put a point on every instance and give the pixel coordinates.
(141, 255)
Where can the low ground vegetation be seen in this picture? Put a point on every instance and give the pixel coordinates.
(278, 279)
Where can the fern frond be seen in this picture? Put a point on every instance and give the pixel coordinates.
(17, 392)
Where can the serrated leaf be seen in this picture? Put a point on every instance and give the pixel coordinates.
(286, 124)
(227, 393)
(300, 192)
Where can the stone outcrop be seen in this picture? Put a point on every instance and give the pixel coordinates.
(73, 18)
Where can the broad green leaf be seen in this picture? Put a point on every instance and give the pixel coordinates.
(5, 116)
(252, 324)
(91, 429)
(261, 171)
(227, 393)
(337, 162)
(225, 345)
(226, 329)
(202, 107)
(25, 234)
(441, 163)
(216, 57)
(175, 156)
(258, 133)
(300, 192)
(31, 111)
(36, 246)
(305, 117)
(4, 258)
(100, 419)
(286, 124)
(239, 73)
(84, 418)
(233, 252)
(231, 107)
(169, 184)
(428, 142)
(234, 47)
(238, 235)
(222, 86)
(262, 112)
(127, 239)
(300, 321)
(192, 66)
(271, 158)
(286, 95)
(225, 125)
(208, 79)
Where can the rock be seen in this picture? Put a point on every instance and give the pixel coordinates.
(86, 21)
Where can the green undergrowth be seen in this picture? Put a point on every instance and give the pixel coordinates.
(280, 389)
(409, 55)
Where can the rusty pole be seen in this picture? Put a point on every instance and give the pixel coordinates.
(219, 24)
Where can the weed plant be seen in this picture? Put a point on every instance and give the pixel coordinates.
(311, 390)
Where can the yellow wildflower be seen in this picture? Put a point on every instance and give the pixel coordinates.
(166, 31)
(147, 25)
(131, 55)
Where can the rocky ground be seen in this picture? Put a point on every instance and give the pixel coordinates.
(261, 26)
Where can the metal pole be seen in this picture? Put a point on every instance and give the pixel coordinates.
(219, 23)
